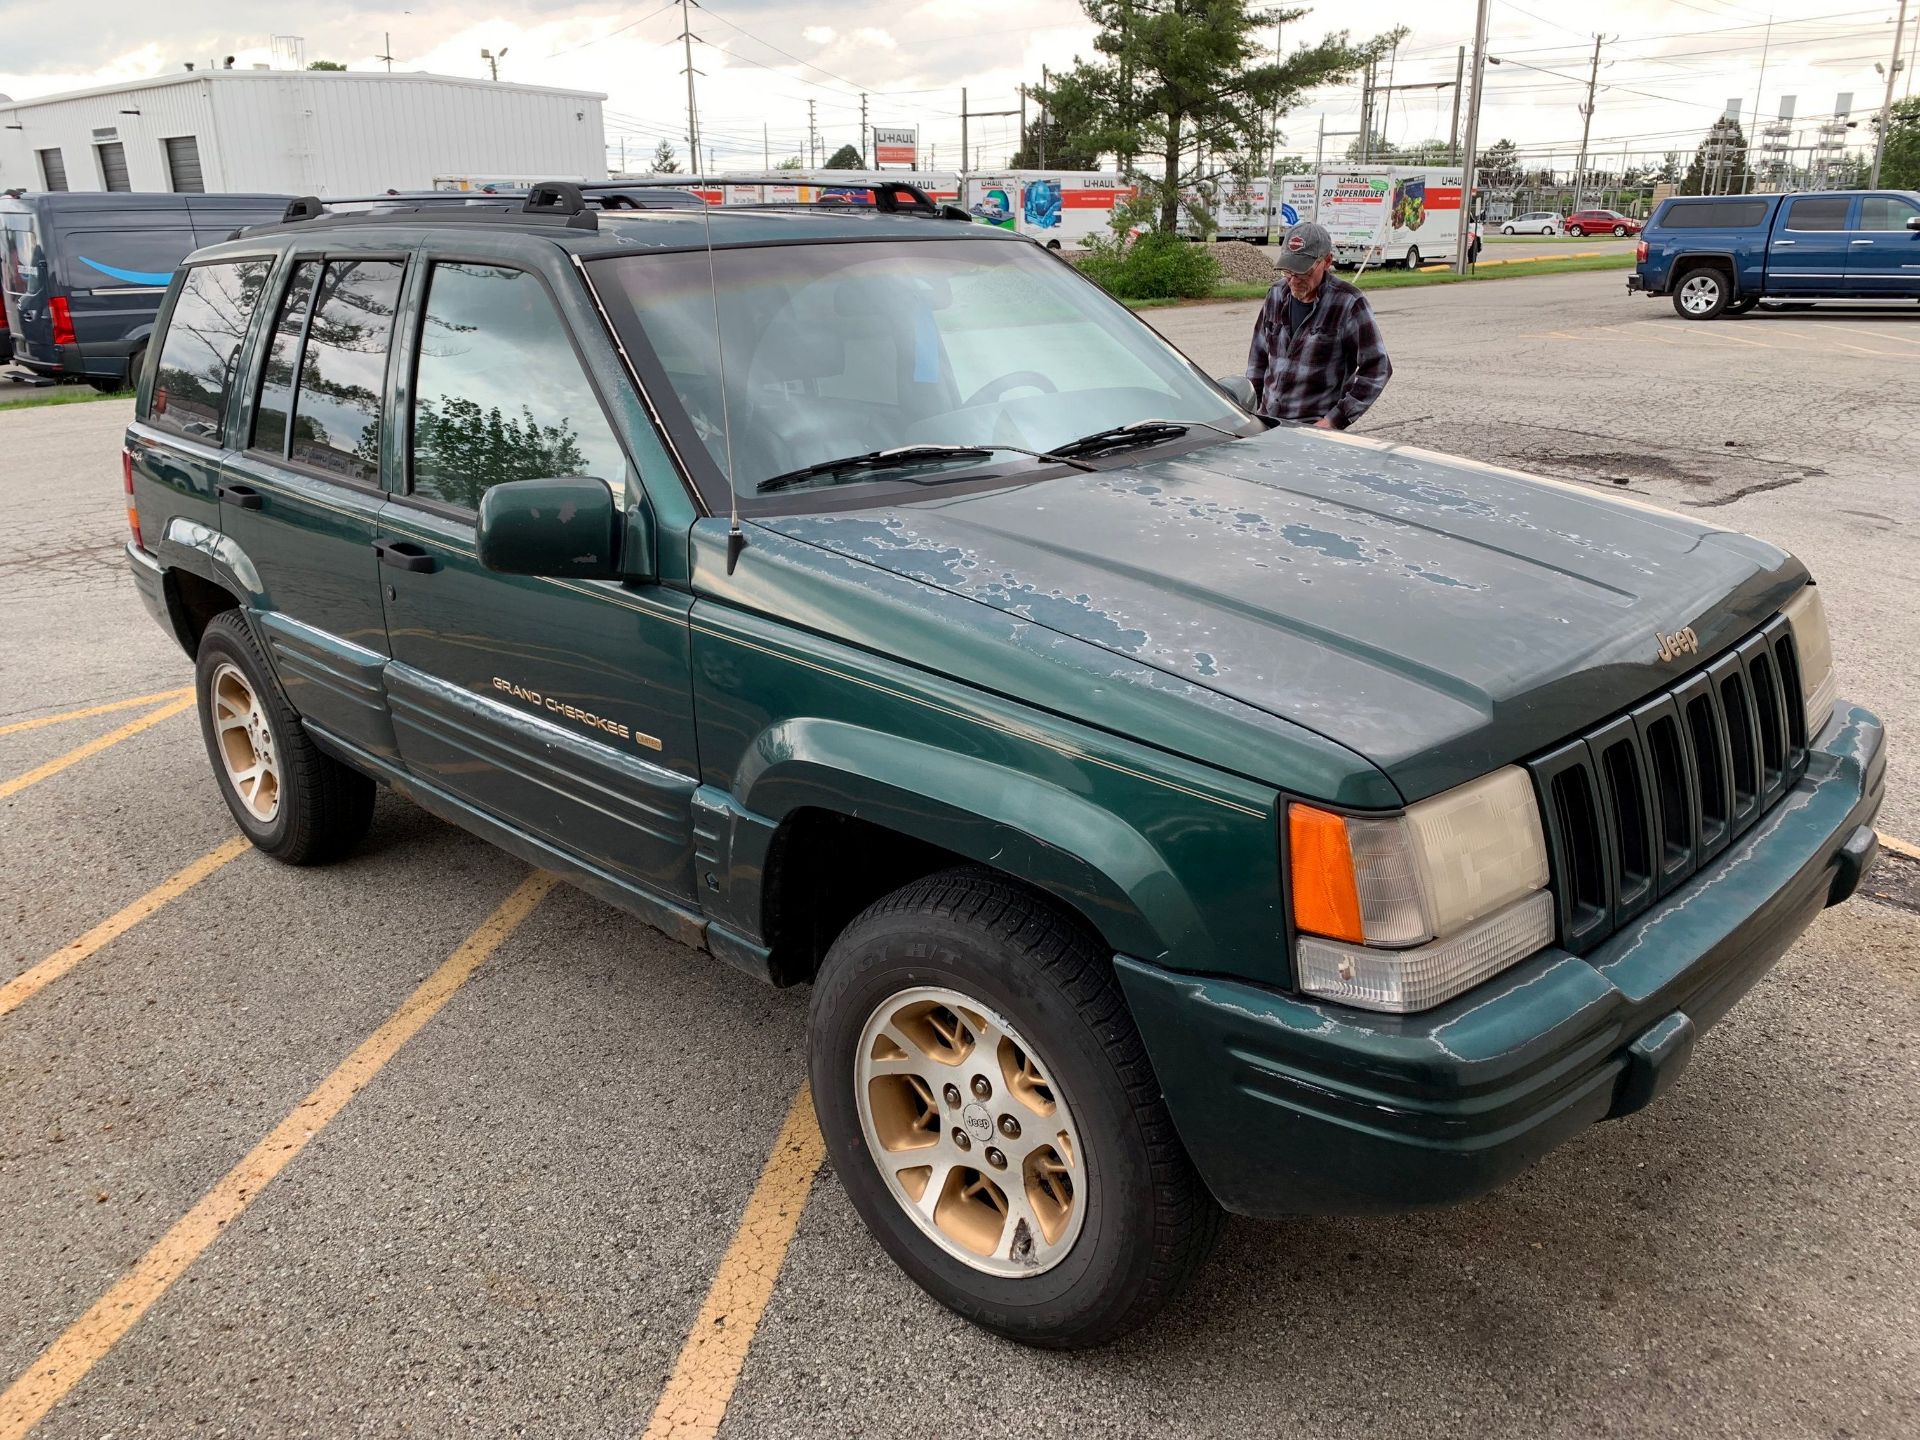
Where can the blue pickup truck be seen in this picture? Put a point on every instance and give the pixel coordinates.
(1724, 254)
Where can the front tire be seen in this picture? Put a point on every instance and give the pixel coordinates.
(1575, 231)
(294, 803)
(1508, 230)
(1412, 262)
(1702, 294)
(1618, 231)
(992, 1113)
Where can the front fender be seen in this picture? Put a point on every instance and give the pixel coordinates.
(1062, 842)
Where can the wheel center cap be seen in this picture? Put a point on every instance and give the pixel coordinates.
(978, 1120)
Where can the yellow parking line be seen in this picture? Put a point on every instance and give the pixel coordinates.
(28, 983)
(65, 1363)
(92, 710)
(697, 1393)
(1898, 846)
(92, 747)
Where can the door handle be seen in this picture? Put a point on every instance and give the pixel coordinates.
(405, 555)
(244, 496)
(1859, 242)
(1782, 244)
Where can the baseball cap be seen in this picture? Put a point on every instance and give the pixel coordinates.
(1305, 245)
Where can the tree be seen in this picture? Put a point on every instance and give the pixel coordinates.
(1371, 147)
(663, 161)
(792, 162)
(1670, 169)
(1499, 166)
(1900, 166)
(1718, 161)
(1190, 80)
(326, 65)
(1049, 145)
(846, 158)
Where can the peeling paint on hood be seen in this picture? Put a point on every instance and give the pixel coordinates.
(1436, 615)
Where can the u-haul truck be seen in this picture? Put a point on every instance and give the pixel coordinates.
(1391, 214)
(1062, 209)
(1238, 212)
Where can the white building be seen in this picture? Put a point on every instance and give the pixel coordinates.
(300, 132)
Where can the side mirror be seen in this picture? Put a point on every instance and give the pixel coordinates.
(567, 528)
(1913, 222)
(1240, 388)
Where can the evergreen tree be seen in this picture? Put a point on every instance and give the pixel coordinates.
(663, 161)
(846, 158)
(1900, 165)
(1186, 85)
(1498, 167)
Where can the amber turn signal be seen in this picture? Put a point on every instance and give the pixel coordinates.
(1326, 897)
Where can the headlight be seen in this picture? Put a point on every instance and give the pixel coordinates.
(1405, 912)
(1807, 617)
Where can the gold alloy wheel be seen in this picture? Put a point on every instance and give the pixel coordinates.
(244, 739)
(970, 1133)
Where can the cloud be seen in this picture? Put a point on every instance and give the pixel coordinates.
(819, 34)
(875, 37)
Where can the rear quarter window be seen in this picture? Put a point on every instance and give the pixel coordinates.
(1712, 214)
(201, 347)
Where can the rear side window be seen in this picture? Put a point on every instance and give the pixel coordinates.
(1886, 212)
(283, 355)
(1821, 214)
(198, 354)
(343, 369)
(499, 393)
(1713, 214)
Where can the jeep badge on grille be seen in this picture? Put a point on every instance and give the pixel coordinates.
(1680, 642)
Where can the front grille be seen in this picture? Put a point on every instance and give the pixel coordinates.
(1635, 806)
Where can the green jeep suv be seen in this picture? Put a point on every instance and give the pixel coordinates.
(1174, 812)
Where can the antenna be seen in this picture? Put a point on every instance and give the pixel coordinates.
(736, 538)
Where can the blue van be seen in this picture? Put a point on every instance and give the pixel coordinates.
(82, 274)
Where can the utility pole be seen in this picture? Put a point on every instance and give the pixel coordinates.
(1459, 79)
(1366, 113)
(1044, 109)
(1473, 136)
(693, 122)
(1746, 159)
(963, 127)
(766, 148)
(1320, 144)
(1886, 105)
(813, 140)
(863, 127)
(1386, 120)
(1586, 127)
(1023, 119)
(386, 38)
(1273, 123)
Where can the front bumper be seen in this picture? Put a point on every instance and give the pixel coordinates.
(1289, 1106)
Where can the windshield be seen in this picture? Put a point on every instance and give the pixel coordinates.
(842, 349)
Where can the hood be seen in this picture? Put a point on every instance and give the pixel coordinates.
(1438, 616)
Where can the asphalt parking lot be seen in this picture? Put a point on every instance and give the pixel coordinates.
(414, 1145)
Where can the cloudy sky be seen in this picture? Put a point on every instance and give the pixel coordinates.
(1668, 66)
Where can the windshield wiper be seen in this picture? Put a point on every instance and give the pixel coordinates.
(1139, 432)
(901, 455)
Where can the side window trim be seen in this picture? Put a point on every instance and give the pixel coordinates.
(402, 490)
(292, 259)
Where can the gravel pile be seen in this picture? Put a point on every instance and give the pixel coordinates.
(1243, 262)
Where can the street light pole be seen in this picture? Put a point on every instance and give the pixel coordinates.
(1886, 105)
(1473, 137)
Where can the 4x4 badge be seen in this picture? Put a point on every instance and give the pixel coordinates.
(1680, 642)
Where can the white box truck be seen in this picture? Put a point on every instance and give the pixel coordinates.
(1299, 200)
(1391, 214)
(1062, 209)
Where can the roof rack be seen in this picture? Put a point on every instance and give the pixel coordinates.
(550, 201)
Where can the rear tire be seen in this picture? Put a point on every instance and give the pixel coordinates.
(293, 802)
(1412, 262)
(962, 1010)
(1703, 293)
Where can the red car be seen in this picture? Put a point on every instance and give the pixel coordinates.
(1601, 222)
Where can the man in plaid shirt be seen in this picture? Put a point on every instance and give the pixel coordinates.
(1317, 355)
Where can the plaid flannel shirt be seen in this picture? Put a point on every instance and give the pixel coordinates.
(1336, 366)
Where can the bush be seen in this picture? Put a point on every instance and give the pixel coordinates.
(1155, 266)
